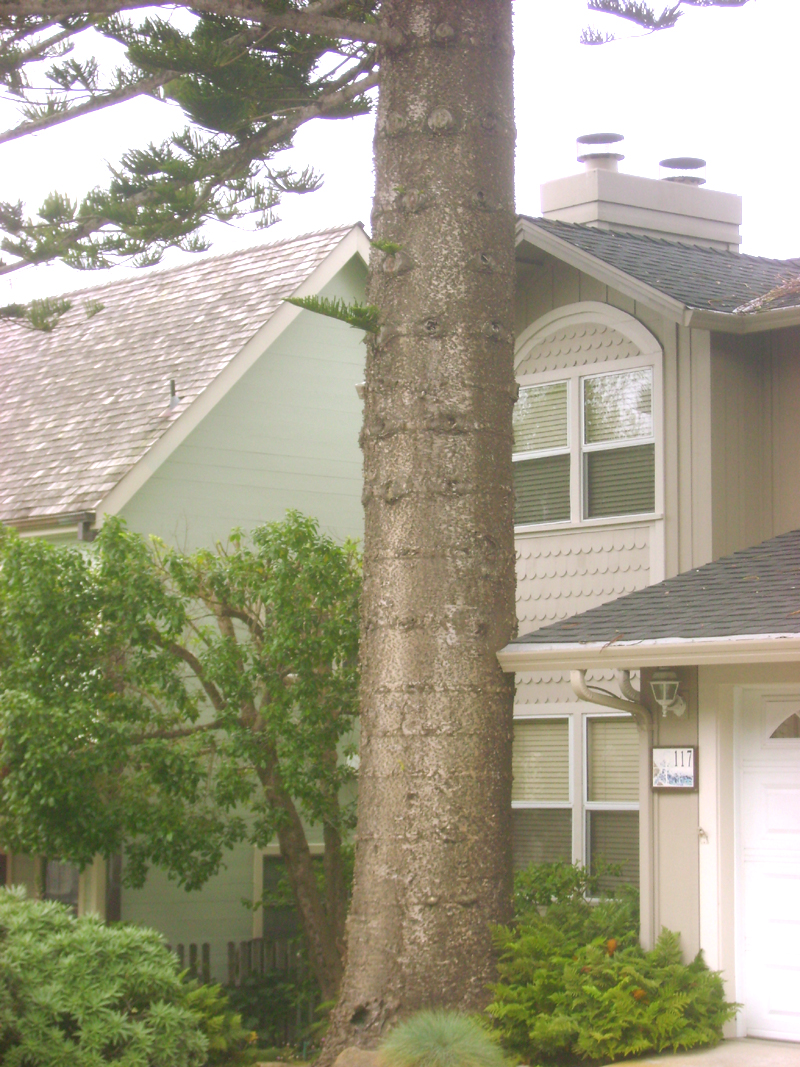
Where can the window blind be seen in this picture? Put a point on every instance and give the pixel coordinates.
(618, 407)
(612, 760)
(614, 838)
(541, 490)
(542, 835)
(620, 481)
(540, 418)
(540, 762)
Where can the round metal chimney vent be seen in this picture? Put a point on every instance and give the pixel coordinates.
(684, 163)
(597, 150)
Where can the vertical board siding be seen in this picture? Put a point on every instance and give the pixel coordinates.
(786, 429)
(741, 442)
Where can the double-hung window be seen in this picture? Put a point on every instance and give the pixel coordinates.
(575, 793)
(584, 447)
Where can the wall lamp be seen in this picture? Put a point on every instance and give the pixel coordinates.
(665, 685)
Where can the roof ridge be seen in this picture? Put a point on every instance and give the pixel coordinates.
(160, 272)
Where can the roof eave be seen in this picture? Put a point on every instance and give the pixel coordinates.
(697, 318)
(665, 652)
(529, 232)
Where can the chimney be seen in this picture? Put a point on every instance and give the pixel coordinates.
(675, 207)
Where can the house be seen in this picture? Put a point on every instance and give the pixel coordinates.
(657, 440)
(657, 465)
(189, 401)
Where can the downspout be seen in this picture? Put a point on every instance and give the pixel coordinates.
(631, 702)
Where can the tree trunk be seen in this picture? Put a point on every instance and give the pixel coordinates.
(433, 847)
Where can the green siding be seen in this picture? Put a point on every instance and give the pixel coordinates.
(285, 436)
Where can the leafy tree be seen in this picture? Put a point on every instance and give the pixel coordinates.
(176, 705)
(432, 863)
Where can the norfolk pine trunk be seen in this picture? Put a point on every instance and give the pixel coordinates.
(433, 866)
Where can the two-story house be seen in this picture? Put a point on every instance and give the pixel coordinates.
(658, 431)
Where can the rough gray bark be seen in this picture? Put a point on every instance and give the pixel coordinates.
(433, 846)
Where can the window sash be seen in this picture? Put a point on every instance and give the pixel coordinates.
(541, 835)
(541, 761)
(612, 760)
(619, 481)
(541, 420)
(542, 490)
(598, 430)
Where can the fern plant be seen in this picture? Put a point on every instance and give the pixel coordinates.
(576, 986)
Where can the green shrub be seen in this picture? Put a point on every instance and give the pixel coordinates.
(229, 1042)
(440, 1039)
(73, 991)
(575, 984)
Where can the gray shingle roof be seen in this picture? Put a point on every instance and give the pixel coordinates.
(81, 405)
(702, 278)
(755, 591)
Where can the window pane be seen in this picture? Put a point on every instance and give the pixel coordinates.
(280, 920)
(788, 728)
(612, 760)
(618, 407)
(540, 418)
(620, 481)
(614, 838)
(541, 490)
(540, 763)
(61, 883)
(542, 836)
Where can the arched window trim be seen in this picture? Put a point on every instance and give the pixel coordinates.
(650, 355)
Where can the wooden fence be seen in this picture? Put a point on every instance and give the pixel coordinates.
(258, 956)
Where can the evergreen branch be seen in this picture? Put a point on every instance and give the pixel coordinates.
(310, 20)
(178, 733)
(144, 87)
(229, 165)
(42, 315)
(361, 316)
(643, 15)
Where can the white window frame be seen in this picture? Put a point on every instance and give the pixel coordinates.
(575, 377)
(578, 716)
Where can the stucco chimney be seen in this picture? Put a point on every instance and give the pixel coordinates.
(677, 208)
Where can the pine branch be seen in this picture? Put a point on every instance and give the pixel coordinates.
(643, 15)
(42, 315)
(361, 316)
(229, 169)
(144, 87)
(311, 19)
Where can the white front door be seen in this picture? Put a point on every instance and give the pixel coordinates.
(769, 857)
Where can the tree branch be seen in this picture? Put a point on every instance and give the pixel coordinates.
(197, 668)
(230, 161)
(311, 20)
(174, 735)
(97, 103)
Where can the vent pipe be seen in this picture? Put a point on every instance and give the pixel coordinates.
(682, 164)
(597, 152)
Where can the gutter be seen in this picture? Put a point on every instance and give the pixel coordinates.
(79, 522)
(665, 652)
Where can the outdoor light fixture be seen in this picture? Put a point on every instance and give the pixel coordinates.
(665, 686)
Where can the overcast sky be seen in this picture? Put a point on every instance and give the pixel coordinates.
(719, 86)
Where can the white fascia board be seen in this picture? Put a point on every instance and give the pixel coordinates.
(353, 243)
(602, 271)
(665, 652)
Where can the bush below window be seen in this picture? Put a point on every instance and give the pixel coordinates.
(576, 986)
